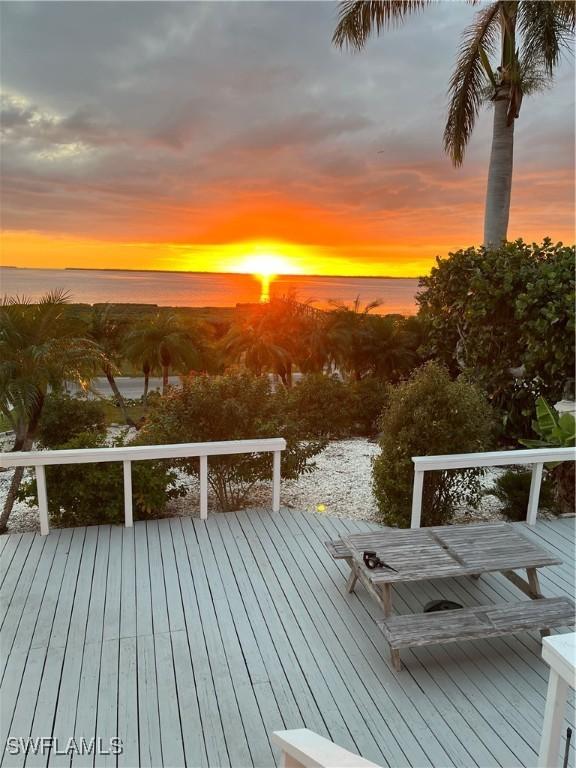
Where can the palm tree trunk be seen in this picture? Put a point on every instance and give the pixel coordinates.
(499, 176)
(146, 385)
(164, 379)
(25, 445)
(118, 396)
(146, 372)
(11, 498)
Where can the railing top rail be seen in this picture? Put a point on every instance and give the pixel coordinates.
(140, 452)
(493, 458)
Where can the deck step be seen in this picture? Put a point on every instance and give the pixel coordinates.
(477, 622)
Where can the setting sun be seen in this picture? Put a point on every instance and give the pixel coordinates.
(266, 262)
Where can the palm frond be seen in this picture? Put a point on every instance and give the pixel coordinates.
(358, 19)
(547, 30)
(468, 80)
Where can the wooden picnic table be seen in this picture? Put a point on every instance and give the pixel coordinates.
(424, 554)
(440, 552)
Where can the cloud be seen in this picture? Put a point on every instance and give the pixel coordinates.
(213, 121)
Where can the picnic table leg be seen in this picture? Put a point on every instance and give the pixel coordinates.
(386, 592)
(351, 583)
(536, 592)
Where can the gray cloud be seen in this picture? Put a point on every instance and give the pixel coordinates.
(114, 110)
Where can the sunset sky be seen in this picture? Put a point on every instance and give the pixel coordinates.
(197, 136)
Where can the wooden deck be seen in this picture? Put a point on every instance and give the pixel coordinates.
(192, 641)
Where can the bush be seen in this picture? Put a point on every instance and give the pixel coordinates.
(369, 398)
(93, 494)
(512, 489)
(322, 406)
(65, 417)
(234, 406)
(505, 316)
(556, 431)
(430, 415)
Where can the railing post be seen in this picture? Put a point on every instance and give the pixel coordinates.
(417, 498)
(203, 487)
(42, 499)
(534, 497)
(276, 481)
(128, 516)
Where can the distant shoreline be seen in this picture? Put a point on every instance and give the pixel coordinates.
(196, 272)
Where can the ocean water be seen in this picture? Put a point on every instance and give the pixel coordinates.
(185, 289)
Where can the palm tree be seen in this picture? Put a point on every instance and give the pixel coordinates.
(162, 341)
(525, 37)
(107, 328)
(349, 332)
(256, 346)
(393, 347)
(40, 349)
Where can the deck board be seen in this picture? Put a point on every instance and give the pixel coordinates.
(192, 640)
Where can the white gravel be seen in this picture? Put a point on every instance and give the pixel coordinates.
(341, 485)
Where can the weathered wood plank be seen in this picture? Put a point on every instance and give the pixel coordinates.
(265, 593)
(339, 674)
(85, 727)
(46, 703)
(128, 585)
(113, 586)
(256, 734)
(107, 716)
(232, 725)
(170, 727)
(192, 730)
(476, 622)
(21, 725)
(171, 582)
(20, 577)
(23, 611)
(213, 733)
(148, 712)
(128, 703)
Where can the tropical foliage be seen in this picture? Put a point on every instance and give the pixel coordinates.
(40, 349)
(107, 327)
(235, 406)
(556, 430)
(162, 342)
(430, 414)
(93, 494)
(512, 489)
(506, 317)
(64, 417)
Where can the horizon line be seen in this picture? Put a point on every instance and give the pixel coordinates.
(209, 272)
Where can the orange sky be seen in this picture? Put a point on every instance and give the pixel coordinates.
(187, 136)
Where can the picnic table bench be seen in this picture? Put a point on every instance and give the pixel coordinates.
(453, 551)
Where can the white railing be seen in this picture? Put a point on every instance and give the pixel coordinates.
(41, 459)
(302, 748)
(536, 457)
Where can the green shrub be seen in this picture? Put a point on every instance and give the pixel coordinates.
(556, 431)
(369, 398)
(93, 494)
(512, 489)
(234, 406)
(322, 406)
(65, 417)
(430, 415)
(506, 317)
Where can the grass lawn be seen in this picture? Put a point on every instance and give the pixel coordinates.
(114, 414)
